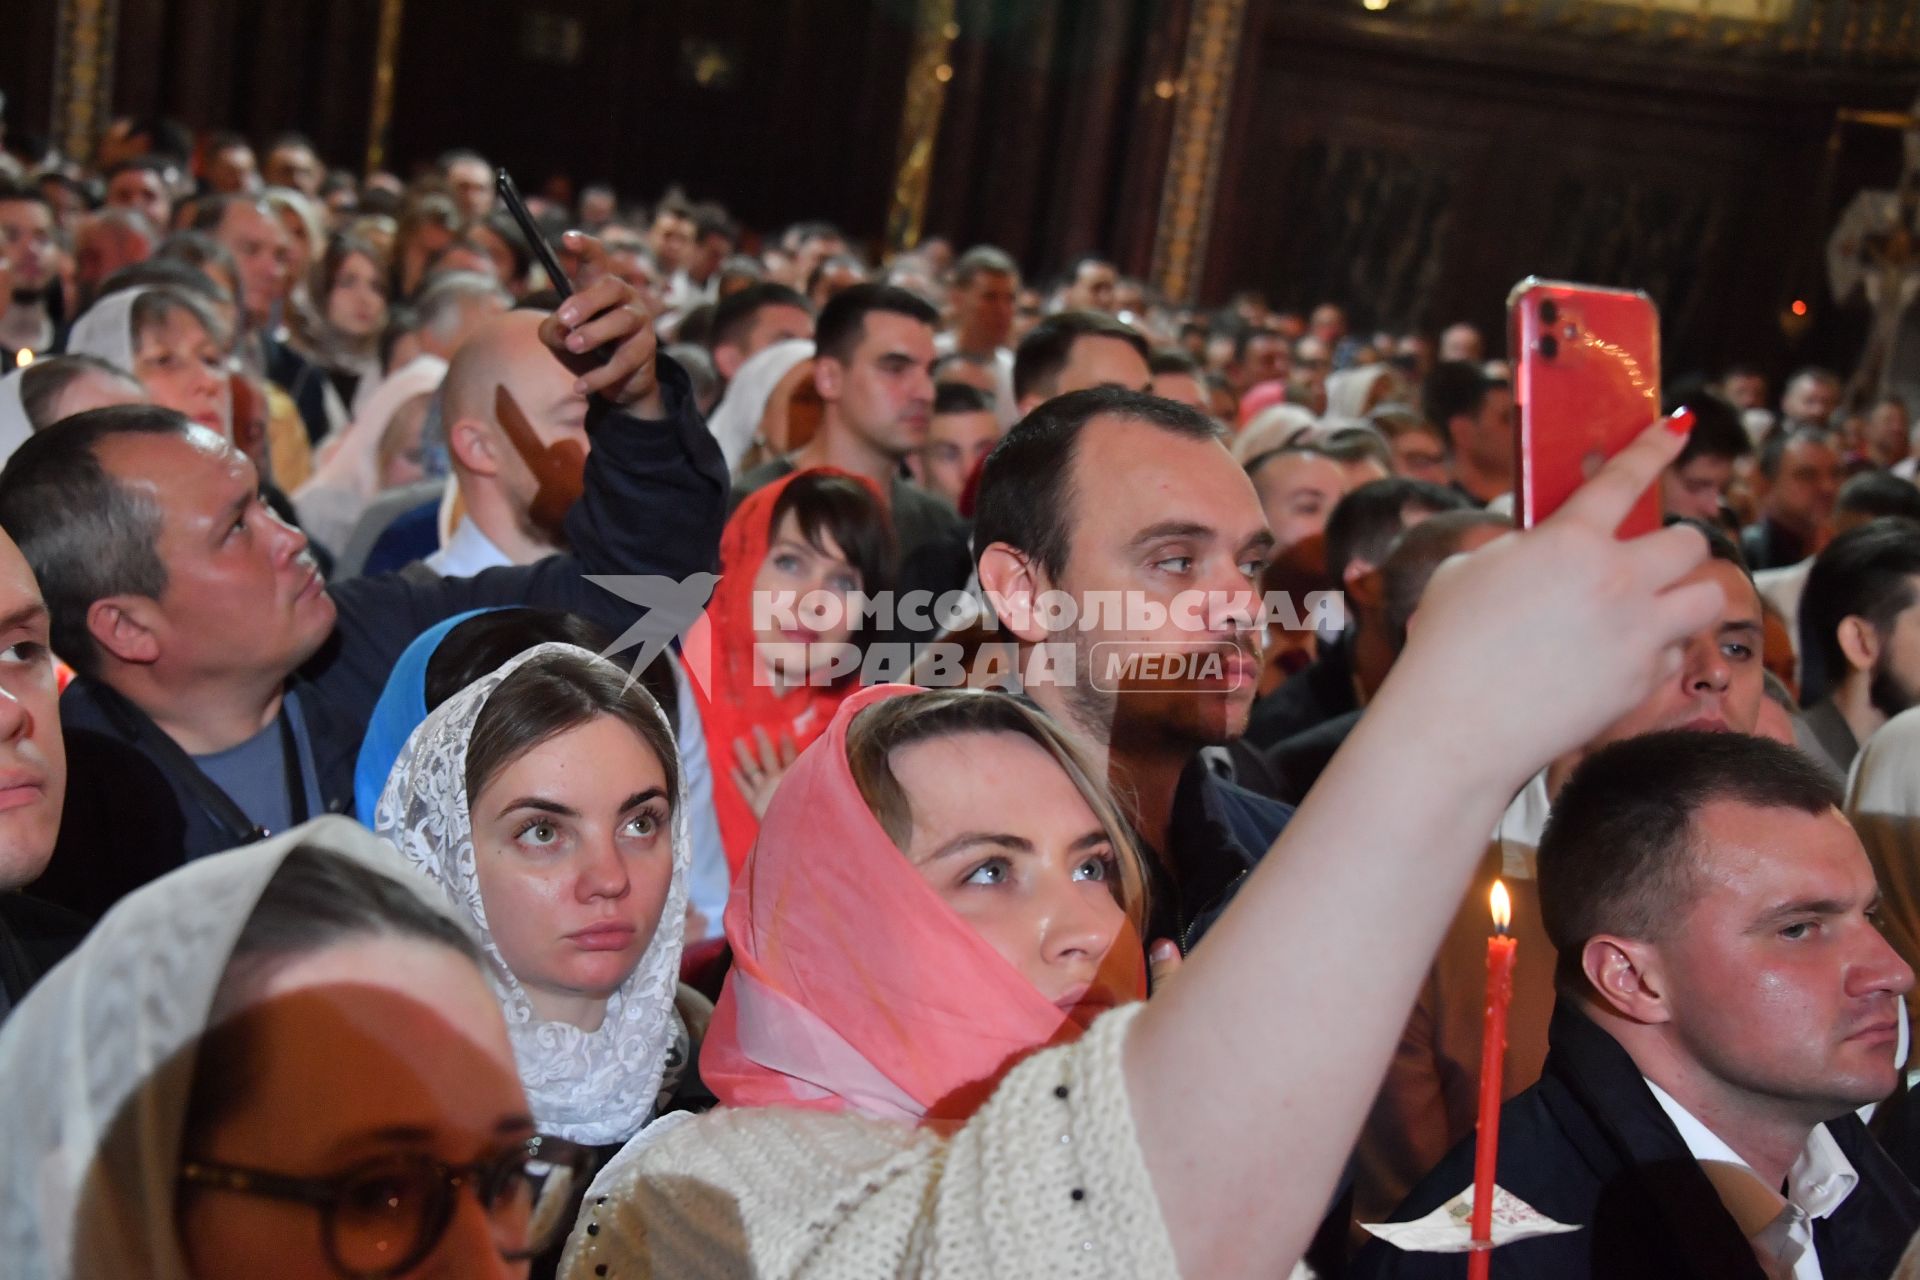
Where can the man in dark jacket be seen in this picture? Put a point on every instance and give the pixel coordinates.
(223, 689)
(1121, 547)
(1726, 1004)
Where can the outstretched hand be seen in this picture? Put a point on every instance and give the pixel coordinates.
(1551, 634)
(604, 334)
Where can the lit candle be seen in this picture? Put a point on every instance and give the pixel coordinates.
(23, 358)
(1493, 1053)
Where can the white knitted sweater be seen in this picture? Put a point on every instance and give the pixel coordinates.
(1046, 1180)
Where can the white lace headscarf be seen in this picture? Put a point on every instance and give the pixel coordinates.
(102, 1050)
(105, 330)
(595, 1087)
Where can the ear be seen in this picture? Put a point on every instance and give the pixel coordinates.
(1625, 978)
(828, 374)
(126, 627)
(1013, 586)
(475, 447)
(1363, 583)
(1860, 641)
(727, 360)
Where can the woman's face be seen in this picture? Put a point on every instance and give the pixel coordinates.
(816, 586)
(573, 847)
(357, 304)
(299, 250)
(403, 461)
(1004, 837)
(380, 1046)
(183, 368)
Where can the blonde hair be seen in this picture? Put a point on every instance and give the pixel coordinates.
(938, 713)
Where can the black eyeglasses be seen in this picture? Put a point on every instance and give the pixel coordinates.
(382, 1218)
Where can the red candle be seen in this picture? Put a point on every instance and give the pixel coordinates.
(1493, 1053)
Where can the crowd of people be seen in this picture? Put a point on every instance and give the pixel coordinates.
(755, 759)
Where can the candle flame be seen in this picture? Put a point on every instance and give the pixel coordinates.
(24, 359)
(1502, 907)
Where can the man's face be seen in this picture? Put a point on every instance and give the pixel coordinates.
(1420, 455)
(1329, 324)
(1093, 288)
(1811, 399)
(1298, 491)
(1887, 431)
(774, 323)
(831, 280)
(244, 599)
(259, 247)
(1721, 680)
(983, 310)
(1695, 490)
(1267, 360)
(471, 187)
(102, 248)
(145, 192)
(1159, 517)
(26, 237)
(33, 758)
(1462, 342)
(597, 207)
(1489, 436)
(1803, 493)
(672, 240)
(956, 444)
(231, 171)
(1778, 981)
(1895, 682)
(1746, 391)
(296, 167)
(884, 392)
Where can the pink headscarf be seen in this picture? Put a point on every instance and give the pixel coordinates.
(854, 987)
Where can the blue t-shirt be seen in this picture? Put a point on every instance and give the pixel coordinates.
(254, 773)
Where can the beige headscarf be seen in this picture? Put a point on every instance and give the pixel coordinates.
(99, 1060)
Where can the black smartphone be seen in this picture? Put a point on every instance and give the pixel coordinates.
(510, 196)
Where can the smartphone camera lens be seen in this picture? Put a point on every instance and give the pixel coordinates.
(1548, 312)
(1549, 346)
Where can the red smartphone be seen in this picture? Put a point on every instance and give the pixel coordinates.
(1586, 381)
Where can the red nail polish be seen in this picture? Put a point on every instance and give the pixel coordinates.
(1680, 422)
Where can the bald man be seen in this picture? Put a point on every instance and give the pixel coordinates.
(517, 477)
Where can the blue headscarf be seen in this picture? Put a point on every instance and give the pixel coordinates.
(402, 706)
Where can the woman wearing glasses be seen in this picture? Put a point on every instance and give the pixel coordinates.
(281, 1061)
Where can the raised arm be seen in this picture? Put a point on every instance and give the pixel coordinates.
(1250, 1076)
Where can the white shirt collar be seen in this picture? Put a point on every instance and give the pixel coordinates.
(1518, 834)
(1780, 1226)
(467, 552)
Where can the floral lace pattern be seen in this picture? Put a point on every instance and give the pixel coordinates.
(595, 1087)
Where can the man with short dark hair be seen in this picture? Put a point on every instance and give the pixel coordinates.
(292, 162)
(1859, 639)
(1694, 486)
(109, 241)
(223, 688)
(469, 180)
(1176, 376)
(1429, 1099)
(1074, 351)
(873, 371)
(962, 433)
(1726, 1004)
(753, 319)
(1117, 496)
(1870, 495)
(1259, 355)
(140, 184)
(1091, 282)
(1348, 669)
(1475, 415)
(1799, 474)
(230, 169)
(986, 285)
(31, 316)
(1810, 399)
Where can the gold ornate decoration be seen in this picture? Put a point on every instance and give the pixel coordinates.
(386, 53)
(928, 72)
(83, 74)
(1204, 92)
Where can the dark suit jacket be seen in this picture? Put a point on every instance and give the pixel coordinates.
(654, 502)
(34, 936)
(1590, 1145)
